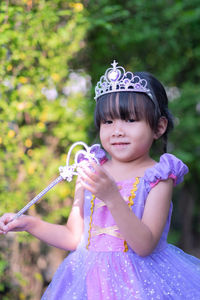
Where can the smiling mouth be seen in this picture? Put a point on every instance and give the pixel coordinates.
(120, 144)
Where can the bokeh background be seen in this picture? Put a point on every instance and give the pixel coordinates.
(52, 53)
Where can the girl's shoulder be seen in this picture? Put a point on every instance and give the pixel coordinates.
(169, 166)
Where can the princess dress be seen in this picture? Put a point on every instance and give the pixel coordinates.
(104, 267)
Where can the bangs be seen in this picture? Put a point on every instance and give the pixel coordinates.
(125, 106)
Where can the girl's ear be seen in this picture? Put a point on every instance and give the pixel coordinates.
(161, 128)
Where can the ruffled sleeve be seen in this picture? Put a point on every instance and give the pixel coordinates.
(169, 166)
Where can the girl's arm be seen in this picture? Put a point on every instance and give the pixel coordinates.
(64, 237)
(141, 235)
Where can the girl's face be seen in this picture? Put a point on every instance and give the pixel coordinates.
(126, 140)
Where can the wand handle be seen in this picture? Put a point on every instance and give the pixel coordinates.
(40, 195)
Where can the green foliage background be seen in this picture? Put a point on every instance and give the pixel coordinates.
(42, 42)
(38, 120)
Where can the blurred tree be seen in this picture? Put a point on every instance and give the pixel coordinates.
(42, 112)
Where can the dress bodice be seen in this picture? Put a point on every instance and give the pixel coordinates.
(101, 232)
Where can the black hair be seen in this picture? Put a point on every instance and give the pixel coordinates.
(129, 105)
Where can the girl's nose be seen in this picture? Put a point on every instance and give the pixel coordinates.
(118, 128)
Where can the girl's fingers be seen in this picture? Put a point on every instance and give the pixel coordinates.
(93, 170)
(85, 178)
(6, 218)
(6, 228)
(6, 224)
(87, 174)
(87, 186)
(1, 227)
(97, 168)
(95, 179)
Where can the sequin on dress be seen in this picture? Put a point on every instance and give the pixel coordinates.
(104, 267)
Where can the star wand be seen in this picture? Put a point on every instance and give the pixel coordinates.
(67, 172)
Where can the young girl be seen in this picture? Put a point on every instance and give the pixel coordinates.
(121, 214)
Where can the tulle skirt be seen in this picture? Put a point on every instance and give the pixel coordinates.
(88, 275)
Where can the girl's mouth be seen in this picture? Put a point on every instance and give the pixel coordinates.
(120, 145)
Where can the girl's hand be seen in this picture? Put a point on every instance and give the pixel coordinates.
(95, 179)
(6, 225)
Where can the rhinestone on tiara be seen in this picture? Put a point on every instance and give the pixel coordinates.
(116, 79)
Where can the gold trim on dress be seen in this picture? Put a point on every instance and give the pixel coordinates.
(131, 203)
(90, 224)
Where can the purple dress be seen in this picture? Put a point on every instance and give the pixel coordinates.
(104, 267)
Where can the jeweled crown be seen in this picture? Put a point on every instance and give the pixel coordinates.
(116, 79)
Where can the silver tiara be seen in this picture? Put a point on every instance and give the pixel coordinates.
(116, 79)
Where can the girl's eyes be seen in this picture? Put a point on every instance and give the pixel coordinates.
(130, 120)
(111, 121)
(107, 122)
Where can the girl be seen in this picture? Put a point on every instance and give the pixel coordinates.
(121, 214)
